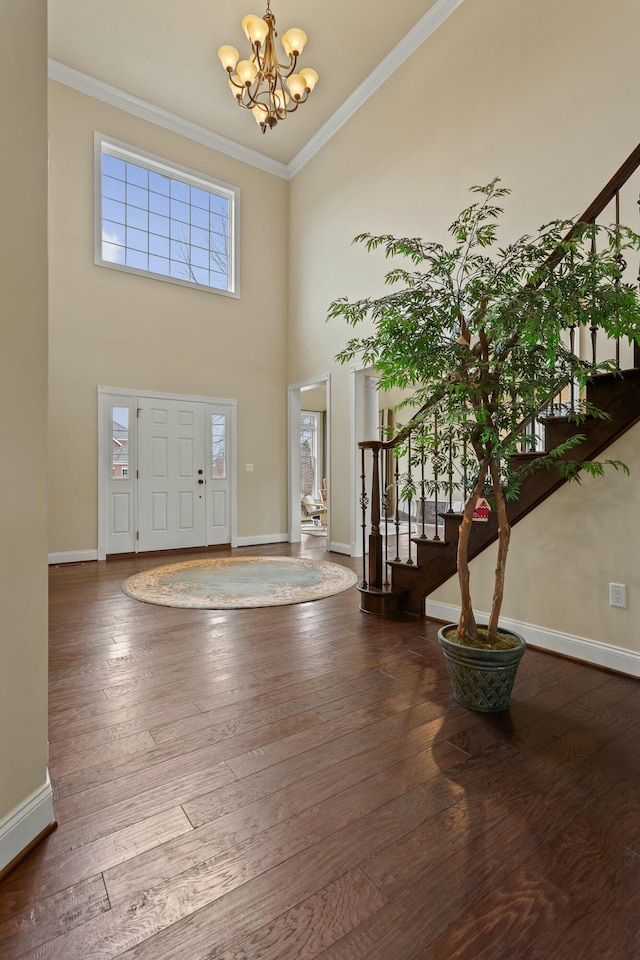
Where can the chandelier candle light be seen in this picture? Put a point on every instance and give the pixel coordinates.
(259, 84)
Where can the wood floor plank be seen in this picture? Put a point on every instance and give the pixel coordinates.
(257, 901)
(440, 898)
(306, 695)
(298, 782)
(90, 732)
(98, 755)
(602, 921)
(135, 920)
(305, 930)
(159, 777)
(501, 924)
(90, 824)
(373, 724)
(52, 917)
(73, 722)
(379, 773)
(50, 872)
(126, 775)
(216, 803)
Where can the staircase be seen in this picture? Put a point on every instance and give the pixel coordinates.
(400, 570)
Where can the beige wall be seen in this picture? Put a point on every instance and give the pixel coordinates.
(315, 399)
(119, 330)
(536, 92)
(565, 553)
(23, 393)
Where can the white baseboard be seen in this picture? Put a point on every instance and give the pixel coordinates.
(261, 539)
(73, 556)
(26, 822)
(580, 648)
(335, 547)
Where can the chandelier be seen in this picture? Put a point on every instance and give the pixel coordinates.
(260, 84)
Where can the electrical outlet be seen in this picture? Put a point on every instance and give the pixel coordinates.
(617, 595)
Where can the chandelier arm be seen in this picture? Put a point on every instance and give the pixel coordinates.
(298, 102)
(256, 53)
(290, 70)
(238, 86)
(253, 98)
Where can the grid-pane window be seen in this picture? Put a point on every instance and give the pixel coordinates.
(165, 222)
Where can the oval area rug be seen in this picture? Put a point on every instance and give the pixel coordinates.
(238, 582)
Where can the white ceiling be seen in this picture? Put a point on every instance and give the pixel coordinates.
(164, 52)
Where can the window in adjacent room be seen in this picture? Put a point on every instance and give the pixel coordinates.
(164, 221)
(310, 448)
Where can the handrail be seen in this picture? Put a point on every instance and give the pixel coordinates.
(374, 579)
(618, 180)
(595, 208)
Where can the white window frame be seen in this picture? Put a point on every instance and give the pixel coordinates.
(175, 171)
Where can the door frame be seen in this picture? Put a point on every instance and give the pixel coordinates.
(104, 464)
(294, 407)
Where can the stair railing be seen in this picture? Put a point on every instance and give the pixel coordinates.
(375, 548)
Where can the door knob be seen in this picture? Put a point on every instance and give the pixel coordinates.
(201, 481)
(200, 471)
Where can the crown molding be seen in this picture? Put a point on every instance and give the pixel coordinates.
(83, 83)
(424, 28)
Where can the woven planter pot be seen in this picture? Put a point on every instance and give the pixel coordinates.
(481, 679)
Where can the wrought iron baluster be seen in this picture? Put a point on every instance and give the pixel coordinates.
(436, 453)
(572, 348)
(622, 266)
(423, 500)
(593, 328)
(410, 499)
(397, 511)
(385, 513)
(364, 502)
(375, 551)
(636, 346)
(450, 475)
(465, 483)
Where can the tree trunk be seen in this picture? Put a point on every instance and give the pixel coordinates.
(504, 536)
(467, 622)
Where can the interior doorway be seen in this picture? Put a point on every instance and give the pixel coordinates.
(309, 449)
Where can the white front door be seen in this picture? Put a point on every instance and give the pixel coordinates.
(166, 468)
(172, 474)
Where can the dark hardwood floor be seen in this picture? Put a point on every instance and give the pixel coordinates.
(297, 782)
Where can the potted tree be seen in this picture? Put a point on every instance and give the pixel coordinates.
(483, 335)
